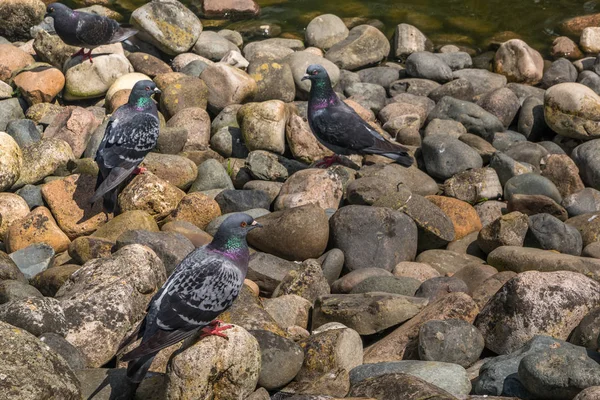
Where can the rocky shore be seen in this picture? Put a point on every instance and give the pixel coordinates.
(475, 272)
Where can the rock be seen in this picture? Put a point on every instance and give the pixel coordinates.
(24, 132)
(435, 228)
(139, 273)
(549, 233)
(288, 310)
(42, 159)
(10, 164)
(227, 85)
(39, 84)
(263, 125)
(49, 281)
(563, 172)
(531, 121)
(426, 65)
(587, 225)
(238, 364)
(168, 25)
(19, 17)
(68, 200)
(148, 193)
(325, 31)
(460, 89)
(102, 383)
(453, 341)
(353, 278)
(435, 288)
(395, 175)
(383, 76)
(129, 220)
(351, 225)
(66, 350)
(588, 394)
(507, 168)
(414, 86)
(196, 122)
(586, 333)
(299, 61)
(589, 40)
(177, 170)
(567, 297)
(387, 284)
(582, 202)
(12, 208)
(402, 342)
(75, 126)
(213, 46)
(449, 377)
(363, 46)
(408, 39)
(366, 313)
(310, 233)
(10, 110)
(36, 227)
(563, 46)
(197, 209)
(241, 200)
(519, 62)
(560, 71)
(328, 357)
(311, 186)
(188, 92)
(462, 214)
(148, 64)
(9, 270)
(36, 315)
(456, 60)
(531, 184)
(235, 8)
(479, 122)
(467, 245)
(26, 359)
(211, 175)
(13, 60)
(568, 110)
(281, 359)
(474, 185)
(445, 156)
(307, 281)
(11, 290)
(419, 271)
(508, 230)
(369, 95)
(33, 259)
(536, 204)
(527, 153)
(274, 81)
(502, 103)
(86, 248)
(396, 386)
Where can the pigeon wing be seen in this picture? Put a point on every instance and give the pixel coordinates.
(95, 30)
(196, 293)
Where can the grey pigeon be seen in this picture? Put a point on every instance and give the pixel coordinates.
(202, 286)
(131, 133)
(339, 128)
(86, 30)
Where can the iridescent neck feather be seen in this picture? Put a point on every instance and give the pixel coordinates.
(142, 103)
(322, 94)
(234, 247)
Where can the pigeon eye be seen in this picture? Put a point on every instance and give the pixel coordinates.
(147, 88)
(243, 224)
(51, 9)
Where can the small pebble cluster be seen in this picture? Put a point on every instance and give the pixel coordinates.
(475, 272)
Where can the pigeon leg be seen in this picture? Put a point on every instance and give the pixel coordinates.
(139, 170)
(328, 161)
(215, 329)
(81, 52)
(88, 56)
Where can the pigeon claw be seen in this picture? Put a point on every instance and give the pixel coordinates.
(139, 170)
(328, 161)
(84, 55)
(215, 329)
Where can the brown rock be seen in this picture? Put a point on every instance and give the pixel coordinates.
(574, 26)
(229, 8)
(49, 281)
(399, 386)
(68, 199)
(148, 64)
(197, 123)
(463, 215)
(564, 47)
(40, 85)
(563, 172)
(475, 275)
(402, 343)
(164, 80)
(86, 248)
(119, 98)
(184, 93)
(417, 270)
(12, 59)
(196, 208)
(130, 220)
(536, 204)
(508, 230)
(149, 193)
(303, 144)
(311, 186)
(353, 278)
(588, 225)
(38, 226)
(227, 85)
(177, 170)
(75, 126)
(196, 235)
(519, 62)
(490, 287)
(12, 208)
(43, 113)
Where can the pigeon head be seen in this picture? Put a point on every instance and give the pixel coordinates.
(315, 72)
(141, 93)
(238, 225)
(58, 10)
(230, 238)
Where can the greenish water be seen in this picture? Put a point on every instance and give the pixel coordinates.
(469, 22)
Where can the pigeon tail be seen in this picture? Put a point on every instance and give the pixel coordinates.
(123, 34)
(391, 150)
(400, 158)
(137, 369)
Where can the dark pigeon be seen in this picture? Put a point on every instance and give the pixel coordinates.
(86, 30)
(131, 133)
(339, 128)
(202, 286)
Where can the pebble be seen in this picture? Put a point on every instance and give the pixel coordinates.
(408, 39)
(325, 31)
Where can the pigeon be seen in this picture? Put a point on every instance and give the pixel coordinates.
(88, 31)
(202, 286)
(339, 128)
(131, 133)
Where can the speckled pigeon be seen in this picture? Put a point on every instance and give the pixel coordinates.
(202, 286)
(131, 133)
(86, 30)
(339, 128)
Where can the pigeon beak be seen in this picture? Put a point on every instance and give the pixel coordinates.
(255, 224)
(305, 77)
(157, 91)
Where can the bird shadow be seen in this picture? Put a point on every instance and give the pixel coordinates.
(120, 387)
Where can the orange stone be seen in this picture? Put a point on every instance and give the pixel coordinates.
(37, 227)
(68, 200)
(12, 59)
(462, 214)
(40, 85)
(196, 208)
(12, 208)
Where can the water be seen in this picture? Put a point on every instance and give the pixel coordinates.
(468, 22)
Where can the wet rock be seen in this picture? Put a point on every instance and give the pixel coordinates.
(192, 372)
(551, 302)
(402, 342)
(366, 313)
(310, 229)
(453, 341)
(363, 46)
(519, 62)
(27, 359)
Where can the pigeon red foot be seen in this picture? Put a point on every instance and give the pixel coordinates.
(326, 162)
(215, 329)
(84, 55)
(139, 170)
